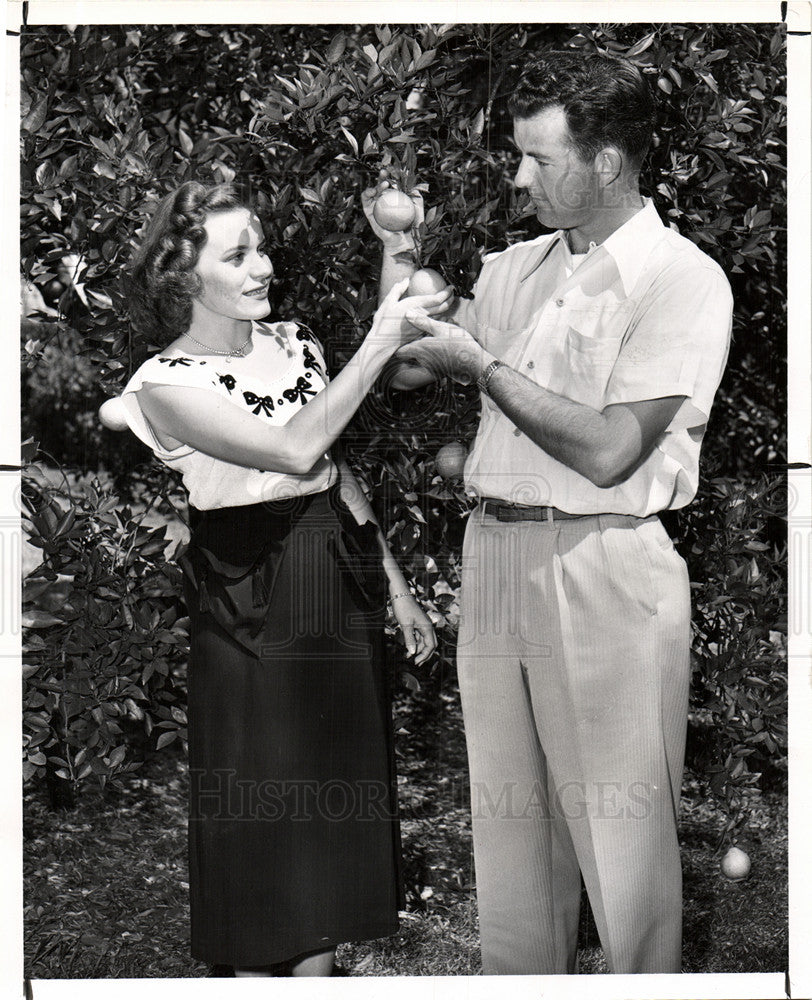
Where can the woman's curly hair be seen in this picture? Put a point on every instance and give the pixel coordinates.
(161, 280)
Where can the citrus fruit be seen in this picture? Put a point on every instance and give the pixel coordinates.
(394, 211)
(450, 459)
(735, 864)
(426, 281)
(113, 414)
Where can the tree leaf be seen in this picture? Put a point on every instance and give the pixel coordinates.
(335, 50)
(40, 619)
(185, 141)
(35, 118)
(350, 139)
(640, 46)
(166, 738)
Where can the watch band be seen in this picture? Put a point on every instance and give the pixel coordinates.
(487, 375)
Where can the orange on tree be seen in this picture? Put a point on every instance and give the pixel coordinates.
(450, 459)
(394, 211)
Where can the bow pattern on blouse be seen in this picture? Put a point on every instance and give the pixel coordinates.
(310, 361)
(264, 403)
(176, 361)
(300, 391)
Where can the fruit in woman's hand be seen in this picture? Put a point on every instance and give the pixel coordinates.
(735, 864)
(394, 211)
(113, 414)
(426, 281)
(450, 459)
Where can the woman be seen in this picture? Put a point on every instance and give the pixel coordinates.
(293, 836)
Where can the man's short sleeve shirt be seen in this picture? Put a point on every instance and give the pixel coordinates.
(644, 315)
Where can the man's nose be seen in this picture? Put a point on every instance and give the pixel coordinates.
(523, 173)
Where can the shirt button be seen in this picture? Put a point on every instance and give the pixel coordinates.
(559, 302)
(531, 364)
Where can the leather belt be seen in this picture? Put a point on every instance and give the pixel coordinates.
(504, 511)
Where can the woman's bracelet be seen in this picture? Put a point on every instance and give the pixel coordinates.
(395, 597)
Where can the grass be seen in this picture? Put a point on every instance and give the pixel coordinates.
(106, 884)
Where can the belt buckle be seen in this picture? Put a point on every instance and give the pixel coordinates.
(512, 512)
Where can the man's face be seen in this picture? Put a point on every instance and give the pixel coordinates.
(563, 188)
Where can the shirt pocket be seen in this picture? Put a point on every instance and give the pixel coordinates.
(502, 342)
(589, 364)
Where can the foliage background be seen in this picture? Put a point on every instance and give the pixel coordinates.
(305, 115)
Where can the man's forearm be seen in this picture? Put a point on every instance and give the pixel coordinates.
(576, 435)
(597, 445)
(605, 446)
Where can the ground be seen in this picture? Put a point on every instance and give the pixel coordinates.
(106, 884)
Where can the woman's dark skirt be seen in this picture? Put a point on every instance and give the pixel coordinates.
(293, 835)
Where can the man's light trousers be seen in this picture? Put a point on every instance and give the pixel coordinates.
(574, 666)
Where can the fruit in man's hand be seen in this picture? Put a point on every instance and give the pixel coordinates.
(450, 459)
(426, 281)
(113, 414)
(735, 864)
(394, 211)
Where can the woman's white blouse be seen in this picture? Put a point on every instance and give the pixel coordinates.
(283, 371)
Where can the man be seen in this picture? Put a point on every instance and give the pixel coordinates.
(598, 350)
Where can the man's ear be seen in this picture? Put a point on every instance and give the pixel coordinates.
(608, 165)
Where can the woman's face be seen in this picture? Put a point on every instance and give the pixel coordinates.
(234, 269)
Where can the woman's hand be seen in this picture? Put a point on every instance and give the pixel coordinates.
(418, 632)
(389, 325)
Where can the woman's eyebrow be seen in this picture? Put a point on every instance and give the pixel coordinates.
(245, 242)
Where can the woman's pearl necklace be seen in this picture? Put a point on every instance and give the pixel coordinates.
(238, 352)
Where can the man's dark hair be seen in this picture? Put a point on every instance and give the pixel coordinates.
(162, 282)
(605, 99)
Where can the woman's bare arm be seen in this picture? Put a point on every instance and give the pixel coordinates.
(218, 427)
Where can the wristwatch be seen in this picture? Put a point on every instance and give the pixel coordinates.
(487, 374)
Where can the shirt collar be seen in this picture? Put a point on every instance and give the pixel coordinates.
(629, 246)
(557, 239)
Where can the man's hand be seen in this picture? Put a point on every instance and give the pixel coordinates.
(449, 350)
